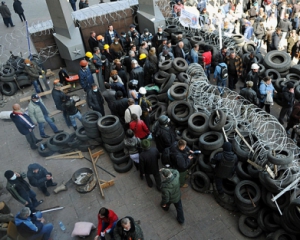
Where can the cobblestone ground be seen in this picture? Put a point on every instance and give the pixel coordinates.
(205, 219)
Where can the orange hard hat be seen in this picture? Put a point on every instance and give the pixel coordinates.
(83, 63)
(56, 81)
(26, 61)
(99, 37)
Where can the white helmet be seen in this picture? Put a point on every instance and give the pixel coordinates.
(142, 90)
(254, 66)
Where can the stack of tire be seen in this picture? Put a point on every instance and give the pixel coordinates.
(175, 66)
(89, 123)
(277, 64)
(113, 135)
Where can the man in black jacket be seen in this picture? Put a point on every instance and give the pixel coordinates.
(288, 98)
(164, 134)
(20, 190)
(181, 159)
(71, 111)
(137, 73)
(92, 40)
(149, 163)
(19, 9)
(286, 26)
(276, 36)
(248, 60)
(179, 52)
(95, 99)
(249, 94)
(39, 177)
(254, 77)
(226, 162)
(120, 106)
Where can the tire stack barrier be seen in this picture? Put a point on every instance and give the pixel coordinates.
(249, 190)
(113, 135)
(278, 63)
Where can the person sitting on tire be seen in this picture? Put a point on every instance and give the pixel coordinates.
(181, 159)
(39, 177)
(164, 133)
(249, 94)
(226, 163)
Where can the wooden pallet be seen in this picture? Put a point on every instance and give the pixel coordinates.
(71, 155)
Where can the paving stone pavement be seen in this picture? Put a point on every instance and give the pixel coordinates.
(205, 219)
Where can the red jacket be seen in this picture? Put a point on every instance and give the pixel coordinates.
(207, 57)
(139, 128)
(112, 217)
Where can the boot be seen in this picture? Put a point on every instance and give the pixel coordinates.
(60, 188)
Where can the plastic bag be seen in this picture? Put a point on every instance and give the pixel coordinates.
(269, 99)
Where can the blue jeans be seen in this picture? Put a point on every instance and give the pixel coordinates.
(221, 84)
(36, 86)
(207, 71)
(51, 124)
(73, 5)
(31, 199)
(73, 118)
(111, 232)
(45, 232)
(178, 206)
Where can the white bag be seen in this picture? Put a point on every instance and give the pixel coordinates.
(269, 99)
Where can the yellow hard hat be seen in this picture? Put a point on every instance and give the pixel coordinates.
(89, 54)
(106, 46)
(143, 56)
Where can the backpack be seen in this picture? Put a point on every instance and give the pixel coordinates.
(165, 157)
(224, 71)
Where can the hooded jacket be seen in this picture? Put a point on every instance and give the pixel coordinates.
(29, 226)
(180, 158)
(164, 137)
(37, 179)
(132, 145)
(225, 164)
(35, 112)
(134, 233)
(18, 188)
(170, 188)
(149, 161)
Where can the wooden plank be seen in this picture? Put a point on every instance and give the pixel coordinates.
(43, 93)
(79, 103)
(77, 154)
(107, 184)
(54, 113)
(96, 154)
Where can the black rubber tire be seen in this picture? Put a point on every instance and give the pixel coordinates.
(249, 46)
(23, 81)
(248, 231)
(281, 61)
(253, 172)
(163, 97)
(283, 74)
(243, 154)
(260, 219)
(72, 140)
(122, 168)
(270, 224)
(180, 64)
(292, 76)
(216, 126)
(281, 180)
(251, 222)
(160, 77)
(153, 100)
(200, 182)
(7, 71)
(282, 202)
(179, 91)
(108, 124)
(295, 69)
(241, 199)
(171, 29)
(272, 73)
(7, 79)
(167, 84)
(182, 118)
(159, 111)
(113, 141)
(8, 88)
(46, 152)
(204, 164)
(52, 146)
(241, 171)
(165, 65)
(119, 157)
(285, 157)
(262, 70)
(198, 123)
(85, 147)
(114, 148)
(90, 119)
(92, 132)
(183, 77)
(189, 138)
(80, 134)
(211, 141)
(61, 139)
(238, 38)
(196, 39)
(65, 149)
(280, 234)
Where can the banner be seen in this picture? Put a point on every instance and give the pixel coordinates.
(189, 18)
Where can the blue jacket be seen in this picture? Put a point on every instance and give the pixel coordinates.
(37, 179)
(107, 37)
(248, 32)
(28, 227)
(85, 79)
(264, 88)
(194, 56)
(217, 73)
(22, 122)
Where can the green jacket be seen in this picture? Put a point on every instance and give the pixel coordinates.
(33, 71)
(11, 188)
(35, 112)
(170, 188)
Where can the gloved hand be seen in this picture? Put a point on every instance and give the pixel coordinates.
(102, 234)
(40, 76)
(43, 72)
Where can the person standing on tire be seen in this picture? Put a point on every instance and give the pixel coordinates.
(39, 114)
(164, 133)
(235, 69)
(19, 9)
(265, 87)
(6, 15)
(249, 94)
(149, 164)
(181, 159)
(226, 162)
(221, 78)
(85, 76)
(107, 221)
(25, 125)
(170, 191)
(20, 190)
(288, 99)
(34, 72)
(39, 177)
(95, 99)
(286, 26)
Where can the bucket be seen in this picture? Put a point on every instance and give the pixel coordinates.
(4, 209)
